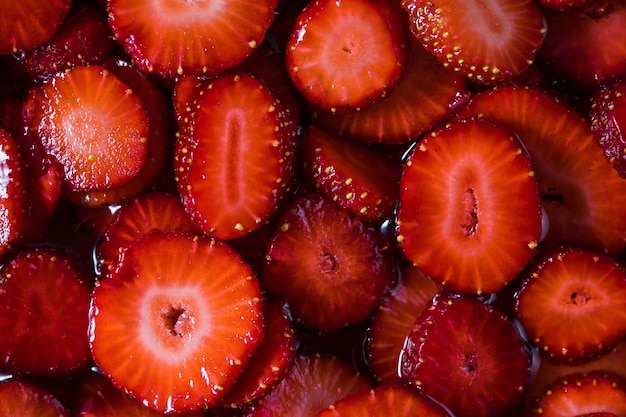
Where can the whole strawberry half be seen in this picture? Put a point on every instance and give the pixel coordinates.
(176, 323)
(470, 214)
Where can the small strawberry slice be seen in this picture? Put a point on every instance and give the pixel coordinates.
(394, 319)
(358, 177)
(235, 155)
(608, 119)
(582, 394)
(347, 53)
(26, 24)
(573, 289)
(14, 202)
(312, 383)
(424, 96)
(470, 214)
(487, 42)
(328, 264)
(22, 399)
(44, 304)
(204, 38)
(92, 124)
(581, 192)
(177, 321)
(462, 352)
(390, 401)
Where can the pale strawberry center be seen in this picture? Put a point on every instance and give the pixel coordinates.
(469, 222)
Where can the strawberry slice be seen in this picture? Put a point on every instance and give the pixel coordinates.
(312, 383)
(608, 119)
(14, 202)
(235, 155)
(44, 303)
(347, 53)
(391, 401)
(92, 124)
(487, 42)
(328, 264)
(191, 38)
(357, 177)
(23, 399)
(582, 394)
(573, 288)
(177, 321)
(470, 214)
(26, 24)
(424, 96)
(583, 195)
(394, 320)
(460, 352)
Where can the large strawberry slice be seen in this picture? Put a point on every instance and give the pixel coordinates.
(195, 38)
(488, 42)
(583, 195)
(470, 214)
(328, 264)
(573, 288)
(347, 53)
(460, 352)
(44, 303)
(235, 155)
(177, 321)
(20, 399)
(13, 198)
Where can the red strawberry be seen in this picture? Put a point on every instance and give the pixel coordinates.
(488, 43)
(358, 177)
(328, 264)
(586, 47)
(20, 399)
(608, 119)
(583, 196)
(14, 203)
(83, 38)
(391, 401)
(235, 155)
(573, 288)
(424, 96)
(204, 38)
(347, 53)
(177, 321)
(272, 360)
(312, 383)
(466, 355)
(394, 319)
(149, 213)
(582, 394)
(92, 124)
(470, 214)
(44, 304)
(26, 24)
(564, 5)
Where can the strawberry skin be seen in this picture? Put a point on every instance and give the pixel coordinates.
(22, 399)
(489, 43)
(608, 119)
(177, 321)
(14, 201)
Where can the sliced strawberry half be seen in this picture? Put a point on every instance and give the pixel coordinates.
(347, 53)
(581, 192)
(488, 43)
(92, 124)
(358, 177)
(26, 24)
(391, 401)
(460, 352)
(23, 399)
(424, 96)
(394, 319)
(328, 264)
(582, 394)
(177, 321)
(470, 214)
(573, 289)
(235, 155)
(14, 202)
(608, 119)
(44, 305)
(312, 383)
(203, 38)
